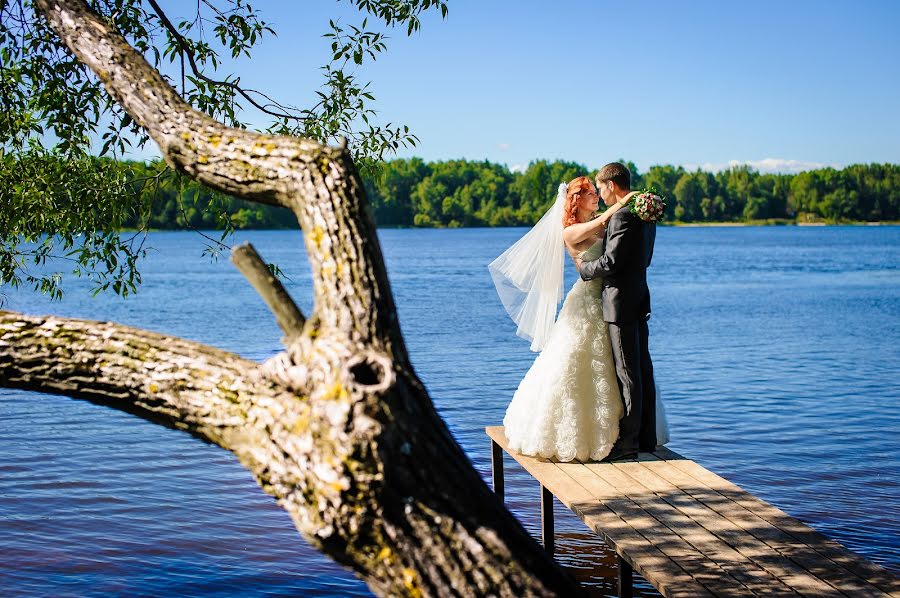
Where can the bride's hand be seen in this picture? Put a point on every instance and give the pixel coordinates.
(603, 219)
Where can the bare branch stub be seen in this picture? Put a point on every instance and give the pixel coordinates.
(289, 317)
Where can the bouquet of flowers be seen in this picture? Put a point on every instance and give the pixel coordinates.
(648, 205)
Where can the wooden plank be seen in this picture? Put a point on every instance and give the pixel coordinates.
(843, 558)
(644, 523)
(706, 572)
(657, 568)
(545, 472)
(722, 523)
(782, 568)
(576, 498)
(671, 578)
(632, 546)
(496, 434)
(676, 544)
(723, 501)
(740, 568)
(660, 570)
(568, 491)
(781, 543)
(690, 532)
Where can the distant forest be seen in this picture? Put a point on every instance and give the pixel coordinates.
(457, 193)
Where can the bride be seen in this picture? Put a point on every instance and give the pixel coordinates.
(568, 404)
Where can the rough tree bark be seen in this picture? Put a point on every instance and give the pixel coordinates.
(337, 428)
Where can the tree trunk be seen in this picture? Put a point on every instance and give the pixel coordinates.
(338, 428)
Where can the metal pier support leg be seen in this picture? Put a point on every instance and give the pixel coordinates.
(547, 519)
(497, 468)
(626, 574)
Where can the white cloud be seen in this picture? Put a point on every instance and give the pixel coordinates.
(517, 168)
(503, 146)
(766, 165)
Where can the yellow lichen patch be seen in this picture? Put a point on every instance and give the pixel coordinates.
(186, 135)
(245, 168)
(215, 140)
(154, 387)
(227, 393)
(317, 235)
(300, 424)
(384, 554)
(409, 580)
(336, 391)
(202, 159)
(270, 147)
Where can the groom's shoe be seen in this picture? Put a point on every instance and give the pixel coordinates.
(619, 454)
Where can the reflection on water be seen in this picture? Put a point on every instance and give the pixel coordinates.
(776, 350)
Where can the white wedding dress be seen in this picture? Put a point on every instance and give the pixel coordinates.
(568, 405)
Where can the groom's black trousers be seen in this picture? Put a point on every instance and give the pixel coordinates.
(634, 372)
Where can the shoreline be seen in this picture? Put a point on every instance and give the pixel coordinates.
(672, 224)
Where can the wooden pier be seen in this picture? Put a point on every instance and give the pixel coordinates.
(690, 532)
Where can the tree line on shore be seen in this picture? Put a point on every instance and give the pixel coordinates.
(456, 193)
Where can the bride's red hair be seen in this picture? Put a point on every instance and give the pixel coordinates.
(570, 209)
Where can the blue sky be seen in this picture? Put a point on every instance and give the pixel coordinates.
(781, 85)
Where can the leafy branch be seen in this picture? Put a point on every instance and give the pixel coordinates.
(57, 110)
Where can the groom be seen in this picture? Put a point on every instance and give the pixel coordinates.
(628, 249)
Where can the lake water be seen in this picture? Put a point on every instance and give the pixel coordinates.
(777, 350)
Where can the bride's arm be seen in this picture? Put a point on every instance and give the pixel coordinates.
(576, 233)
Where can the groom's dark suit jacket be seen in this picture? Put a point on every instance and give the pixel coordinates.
(627, 252)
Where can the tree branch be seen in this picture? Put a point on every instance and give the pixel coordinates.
(245, 93)
(254, 269)
(179, 383)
